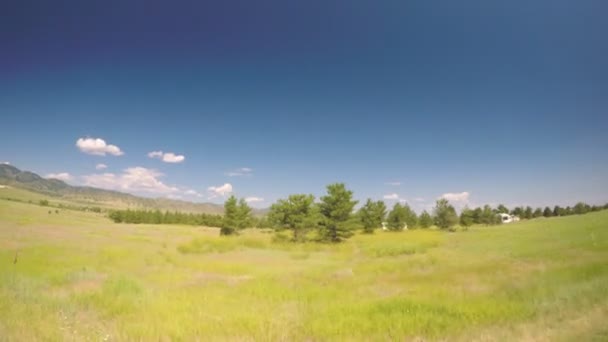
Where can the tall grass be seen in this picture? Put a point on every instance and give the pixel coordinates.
(80, 277)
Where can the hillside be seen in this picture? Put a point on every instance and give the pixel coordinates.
(14, 177)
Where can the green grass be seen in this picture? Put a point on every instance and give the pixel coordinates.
(80, 277)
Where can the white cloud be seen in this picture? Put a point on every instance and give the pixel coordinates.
(64, 176)
(101, 166)
(222, 190)
(253, 199)
(168, 157)
(97, 147)
(191, 192)
(419, 199)
(243, 171)
(6, 163)
(133, 179)
(391, 197)
(456, 197)
(393, 183)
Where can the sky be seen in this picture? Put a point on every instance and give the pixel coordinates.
(480, 102)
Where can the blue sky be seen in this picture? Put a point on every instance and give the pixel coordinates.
(485, 101)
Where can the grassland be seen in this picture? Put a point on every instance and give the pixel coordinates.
(78, 277)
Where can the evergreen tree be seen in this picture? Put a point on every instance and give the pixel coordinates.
(336, 208)
(371, 215)
(501, 209)
(528, 213)
(237, 216)
(538, 212)
(297, 213)
(445, 214)
(425, 220)
(466, 217)
(396, 219)
(547, 212)
(580, 208)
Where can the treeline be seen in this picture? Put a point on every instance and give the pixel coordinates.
(166, 217)
(333, 219)
(578, 209)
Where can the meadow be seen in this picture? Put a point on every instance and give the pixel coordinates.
(76, 276)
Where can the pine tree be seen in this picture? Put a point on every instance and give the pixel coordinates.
(336, 208)
(425, 220)
(445, 214)
(371, 215)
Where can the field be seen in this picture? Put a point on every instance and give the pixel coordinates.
(75, 276)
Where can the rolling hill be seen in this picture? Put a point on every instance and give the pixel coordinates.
(14, 177)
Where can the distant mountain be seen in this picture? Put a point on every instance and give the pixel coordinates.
(10, 175)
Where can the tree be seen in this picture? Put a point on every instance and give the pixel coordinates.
(237, 216)
(425, 220)
(538, 212)
(558, 211)
(518, 211)
(528, 213)
(547, 212)
(466, 217)
(445, 214)
(488, 216)
(411, 219)
(336, 208)
(580, 208)
(297, 213)
(371, 215)
(501, 209)
(477, 215)
(396, 219)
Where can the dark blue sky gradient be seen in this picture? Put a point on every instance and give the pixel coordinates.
(505, 100)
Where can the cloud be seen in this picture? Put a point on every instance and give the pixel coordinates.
(222, 190)
(419, 199)
(241, 172)
(253, 199)
(456, 197)
(64, 176)
(393, 183)
(391, 197)
(97, 147)
(6, 163)
(101, 166)
(168, 157)
(191, 192)
(133, 179)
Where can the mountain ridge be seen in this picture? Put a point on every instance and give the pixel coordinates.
(12, 176)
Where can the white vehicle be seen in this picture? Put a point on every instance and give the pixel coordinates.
(506, 218)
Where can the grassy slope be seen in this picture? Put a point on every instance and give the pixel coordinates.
(78, 277)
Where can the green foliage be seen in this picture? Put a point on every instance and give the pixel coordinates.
(371, 215)
(44, 203)
(466, 217)
(547, 212)
(425, 220)
(581, 208)
(156, 217)
(528, 214)
(445, 214)
(501, 209)
(237, 216)
(396, 218)
(488, 216)
(538, 212)
(336, 208)
(297, 213)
